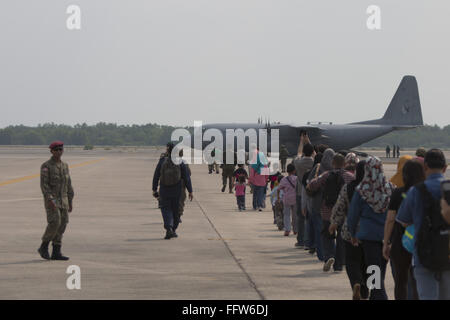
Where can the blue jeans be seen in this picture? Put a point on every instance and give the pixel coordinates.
(289, 213)
(333, 247)
(170, 212)
(302, 237)
(316, 229)
(428, 287)
(328, 242)
(258, 196)
(264, 197)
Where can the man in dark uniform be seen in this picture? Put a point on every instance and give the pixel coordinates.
(57, 190)
(183, 185)
(169, 176)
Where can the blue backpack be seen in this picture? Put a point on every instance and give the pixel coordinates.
(408, 239)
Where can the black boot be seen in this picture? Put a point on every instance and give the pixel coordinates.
(43, 250)
(169, 234)
(56, 253)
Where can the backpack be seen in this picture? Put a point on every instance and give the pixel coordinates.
(408, 239)
(433, 235)
(170, 173)
(333, 186)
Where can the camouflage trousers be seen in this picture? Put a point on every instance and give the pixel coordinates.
(57, 220)
(230, 181)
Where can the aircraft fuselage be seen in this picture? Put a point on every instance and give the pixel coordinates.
(338, 137)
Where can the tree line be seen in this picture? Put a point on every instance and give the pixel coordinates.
(426, 136)
(104, 134)
(111, 134)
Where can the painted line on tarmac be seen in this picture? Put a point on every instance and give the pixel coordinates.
(4, 183)
(86, 163)
(20, 200)
(249, 278)
(7, 182)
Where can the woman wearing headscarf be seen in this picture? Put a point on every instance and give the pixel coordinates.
(354, 257)
(421, 152)
(397, 178)
(368, 207)
(351, 160)
(259, 174)
(324, 165)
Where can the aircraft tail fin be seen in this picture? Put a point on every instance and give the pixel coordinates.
(404, 109)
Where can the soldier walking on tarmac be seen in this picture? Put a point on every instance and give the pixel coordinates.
(58, 194)
(228, 170)
(169, 176)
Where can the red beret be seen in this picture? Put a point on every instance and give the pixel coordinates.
(56, 144)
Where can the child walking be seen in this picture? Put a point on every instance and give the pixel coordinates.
(240, 192)
(288, 185)
(277, 206)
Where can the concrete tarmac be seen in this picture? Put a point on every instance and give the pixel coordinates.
(115, 235)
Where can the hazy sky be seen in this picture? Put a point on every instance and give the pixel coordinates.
(176, 61)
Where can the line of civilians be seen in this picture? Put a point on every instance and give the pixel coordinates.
(349, 214)
(346, 212)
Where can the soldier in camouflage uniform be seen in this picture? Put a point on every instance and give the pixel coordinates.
(58, 194)
(284, 154)
(227, 171)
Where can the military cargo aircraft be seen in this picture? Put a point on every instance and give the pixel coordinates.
(404, 112)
